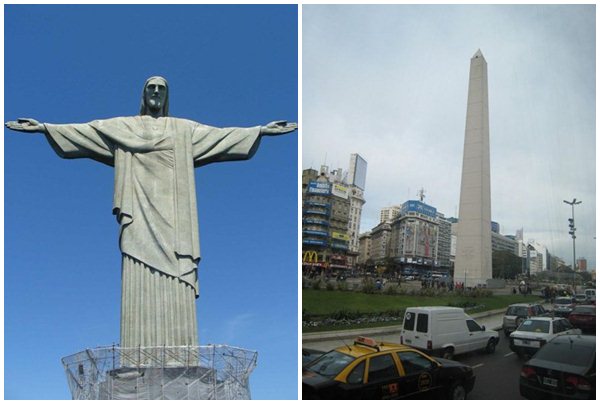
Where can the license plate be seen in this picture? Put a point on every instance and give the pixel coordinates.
(520, 342)
(550, 382)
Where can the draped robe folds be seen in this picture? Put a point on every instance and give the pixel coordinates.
(155, 206)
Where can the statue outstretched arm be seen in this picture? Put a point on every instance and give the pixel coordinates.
(278, 128)
(27, 125)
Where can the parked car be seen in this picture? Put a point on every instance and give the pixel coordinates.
(445, 331)
(535, 332)
(564, 368)
(591, 295)
(580, 298)
(382, 370)
(584, 317)
(563, 306)
(517, 313)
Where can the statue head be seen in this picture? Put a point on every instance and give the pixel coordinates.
(155, 97)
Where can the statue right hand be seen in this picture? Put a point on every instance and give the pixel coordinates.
(25, 125)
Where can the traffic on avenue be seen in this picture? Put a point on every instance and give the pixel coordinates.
(534, 351)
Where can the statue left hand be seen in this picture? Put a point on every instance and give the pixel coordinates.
(278, 128)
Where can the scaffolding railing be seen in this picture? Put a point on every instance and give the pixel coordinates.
(218, 372)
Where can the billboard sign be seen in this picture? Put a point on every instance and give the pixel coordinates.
(321, 188)
(340, 190)
(340, 236)
(418, 207)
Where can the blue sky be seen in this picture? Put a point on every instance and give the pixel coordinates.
(226, 66)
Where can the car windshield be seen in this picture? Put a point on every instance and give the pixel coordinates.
(330, 364)
(516, 311)
(584, 310)
(563, 301)
(540, 326)
(563, 351)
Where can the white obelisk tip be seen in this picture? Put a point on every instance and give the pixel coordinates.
(478, 54)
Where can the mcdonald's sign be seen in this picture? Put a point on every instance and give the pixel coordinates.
(310, 256)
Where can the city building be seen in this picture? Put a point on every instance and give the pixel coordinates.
(389, 213)
(380, 236)
(325, 220)
(414, 237)
(581, 264)
(504, 243)
(356, 179)
(364, 248)
(444, 241)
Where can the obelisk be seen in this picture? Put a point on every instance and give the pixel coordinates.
(473, 263)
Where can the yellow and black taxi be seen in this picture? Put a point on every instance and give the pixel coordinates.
(372, 370)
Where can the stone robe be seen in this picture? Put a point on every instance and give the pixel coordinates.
(155, 206)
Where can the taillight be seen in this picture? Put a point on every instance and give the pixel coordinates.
(579, 383)
(527, 372)
(429, 345)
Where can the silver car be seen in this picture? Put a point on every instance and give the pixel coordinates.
(516, 313)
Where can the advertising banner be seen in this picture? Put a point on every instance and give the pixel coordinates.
(321, 188)
(418, 207)
(340, 190)
(340, 236)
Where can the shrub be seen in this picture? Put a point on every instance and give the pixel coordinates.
(316, 284)
(391, 289)
(329, 286)
(342, 285)
(368, 286)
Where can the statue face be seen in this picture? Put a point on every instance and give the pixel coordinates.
(155, 94)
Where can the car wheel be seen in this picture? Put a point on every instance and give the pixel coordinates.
(491, 346)
(457, 392)
(448, 353)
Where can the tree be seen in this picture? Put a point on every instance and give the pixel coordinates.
(506, 265)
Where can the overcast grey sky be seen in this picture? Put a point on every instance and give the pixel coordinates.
(390, 83)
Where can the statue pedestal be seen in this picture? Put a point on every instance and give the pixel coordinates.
(213, 372)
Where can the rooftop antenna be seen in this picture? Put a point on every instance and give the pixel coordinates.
(421, 194)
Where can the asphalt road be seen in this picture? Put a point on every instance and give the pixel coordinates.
(497, 374)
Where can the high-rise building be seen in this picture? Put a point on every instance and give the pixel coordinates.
(388, 214)
(474, 247)
(357, 171)
(325, 217)
(581, 264)
(356, 179)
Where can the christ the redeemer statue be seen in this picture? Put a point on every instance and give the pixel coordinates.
(154, 157)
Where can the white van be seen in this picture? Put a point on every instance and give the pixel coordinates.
(445, 331)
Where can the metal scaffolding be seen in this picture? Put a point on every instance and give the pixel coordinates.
(213, 372)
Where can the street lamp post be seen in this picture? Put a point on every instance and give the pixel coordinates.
(572, 233)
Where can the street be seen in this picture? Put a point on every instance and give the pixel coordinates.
(497, 374)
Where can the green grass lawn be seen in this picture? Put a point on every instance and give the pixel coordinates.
(322, 303)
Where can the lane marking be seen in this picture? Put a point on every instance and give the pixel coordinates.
(509, 354)
(477, 366)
